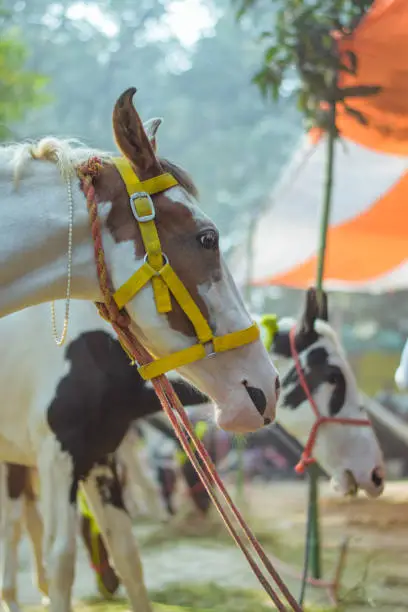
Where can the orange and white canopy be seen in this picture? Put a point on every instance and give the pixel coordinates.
(367, 242)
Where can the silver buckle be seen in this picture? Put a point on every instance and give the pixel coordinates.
(209, 346)
(165, 262)
(137, 196)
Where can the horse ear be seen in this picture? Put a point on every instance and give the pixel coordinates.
(323, 307)
(310, 311)
(131, 137)
(151, 126)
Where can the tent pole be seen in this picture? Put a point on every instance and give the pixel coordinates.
(315, 548)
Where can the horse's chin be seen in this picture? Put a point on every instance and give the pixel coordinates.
(345, 484)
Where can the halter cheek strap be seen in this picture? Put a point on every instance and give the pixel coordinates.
(307, 456)
(157, 270)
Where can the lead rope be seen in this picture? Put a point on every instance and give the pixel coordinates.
(172, 406)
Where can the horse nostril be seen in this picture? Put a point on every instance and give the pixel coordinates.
(277, 387)
(257, 396)
(377, 477)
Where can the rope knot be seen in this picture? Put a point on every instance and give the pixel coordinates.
(304, 462)
(91, 168)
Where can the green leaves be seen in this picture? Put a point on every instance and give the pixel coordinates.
(301, 39)
(20, 89)
(269, 80)
(243, 7)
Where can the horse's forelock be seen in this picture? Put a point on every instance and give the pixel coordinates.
(181, 176)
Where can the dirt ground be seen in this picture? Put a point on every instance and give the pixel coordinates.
(376, 574)
(376, 571)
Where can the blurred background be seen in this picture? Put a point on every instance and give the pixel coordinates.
(63, 65)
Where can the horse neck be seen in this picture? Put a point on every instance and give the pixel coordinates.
(34, 240)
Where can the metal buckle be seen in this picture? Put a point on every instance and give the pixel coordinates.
(209, 346)
(138, 196)
(165, 261)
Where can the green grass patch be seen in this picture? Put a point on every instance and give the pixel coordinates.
(203, 597)
(211, 530)
(210, 596)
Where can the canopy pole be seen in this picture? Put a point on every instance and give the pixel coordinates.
(315, 547)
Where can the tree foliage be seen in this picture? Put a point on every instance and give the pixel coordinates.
(300, 46)
(20, 89)
(215, 124)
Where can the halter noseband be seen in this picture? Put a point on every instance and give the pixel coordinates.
(157, 270)
(307, 457)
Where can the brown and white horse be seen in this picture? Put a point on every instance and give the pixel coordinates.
(42, 199)
(40, 191)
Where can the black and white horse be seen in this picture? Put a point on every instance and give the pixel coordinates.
(74, 405)
(348, 452)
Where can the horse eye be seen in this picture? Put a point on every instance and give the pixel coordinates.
(208, 240)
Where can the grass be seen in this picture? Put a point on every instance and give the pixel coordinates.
(206, 597)
(210, 596)
(189, 527)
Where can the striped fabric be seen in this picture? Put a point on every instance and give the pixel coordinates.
(368, 234)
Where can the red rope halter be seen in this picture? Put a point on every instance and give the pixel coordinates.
(174, 410)
(307, 456)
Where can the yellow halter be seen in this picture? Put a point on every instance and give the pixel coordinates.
(156, 268)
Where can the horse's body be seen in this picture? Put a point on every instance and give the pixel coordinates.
(72, 409)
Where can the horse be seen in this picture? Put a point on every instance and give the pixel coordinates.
(171, 288)
(318, 382)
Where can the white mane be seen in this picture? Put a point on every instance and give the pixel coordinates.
(65, 153)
